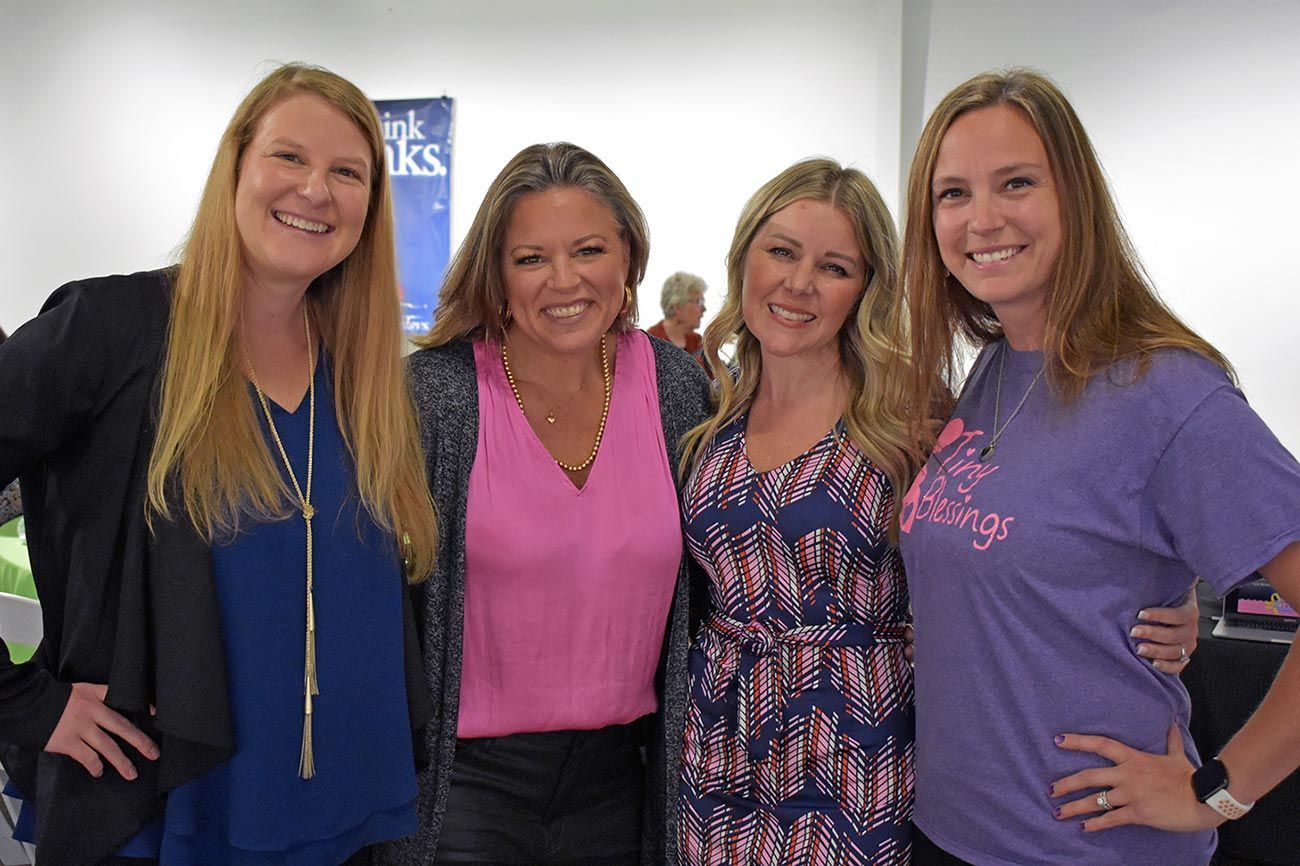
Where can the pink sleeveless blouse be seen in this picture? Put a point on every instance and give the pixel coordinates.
(567, 591)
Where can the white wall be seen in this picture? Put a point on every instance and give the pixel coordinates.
(1194, 107)
(110, 110)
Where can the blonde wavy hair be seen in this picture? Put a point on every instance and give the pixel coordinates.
(473, 296)
(869, 340)
(1101, 306)
(210, 458)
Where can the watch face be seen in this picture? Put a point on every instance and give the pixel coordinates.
(1211, 778)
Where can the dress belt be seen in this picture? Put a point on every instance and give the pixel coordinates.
(758, 691)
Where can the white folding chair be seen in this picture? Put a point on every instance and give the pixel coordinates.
(12, 852)
(20, 619)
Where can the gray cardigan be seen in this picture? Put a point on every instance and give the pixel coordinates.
(446, 394)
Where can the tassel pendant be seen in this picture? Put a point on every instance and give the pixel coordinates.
(309, 679)
(306, 762)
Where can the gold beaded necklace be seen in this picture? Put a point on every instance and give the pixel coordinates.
(604, 412)
(306, 762)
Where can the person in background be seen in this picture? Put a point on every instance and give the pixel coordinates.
(682, 301)
(1098, 459)
(556, 621)
(218, 461)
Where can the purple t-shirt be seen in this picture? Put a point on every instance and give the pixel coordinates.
(1028, 570)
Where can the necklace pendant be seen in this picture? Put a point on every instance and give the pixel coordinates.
(307, 511)
(550, 417)
(987, 451)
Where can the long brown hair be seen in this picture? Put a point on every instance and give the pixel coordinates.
(876, 415)
(473, 292)
(209, 451)
(1101, 306)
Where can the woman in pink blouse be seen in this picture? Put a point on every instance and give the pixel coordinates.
(557, 618)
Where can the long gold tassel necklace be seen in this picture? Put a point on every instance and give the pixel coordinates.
(306, 763)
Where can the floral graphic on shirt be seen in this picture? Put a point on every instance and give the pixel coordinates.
(944, 491)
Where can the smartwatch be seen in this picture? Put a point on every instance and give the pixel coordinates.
(1210, 784)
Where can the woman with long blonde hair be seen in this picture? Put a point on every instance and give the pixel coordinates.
(219, 460)
(1099, 458)
(799, 725)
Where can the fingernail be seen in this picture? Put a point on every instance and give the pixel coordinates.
(131, 774)
(1133, 632)
(1083, 825)
(1050, 789)
(1144, 649)
(1057, 811)
(1142, 614)
(1059, 738)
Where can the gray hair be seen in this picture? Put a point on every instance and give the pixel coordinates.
(678, 289)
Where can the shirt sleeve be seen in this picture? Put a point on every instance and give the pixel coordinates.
(53, 373)
(54, 379)
(1224, 497)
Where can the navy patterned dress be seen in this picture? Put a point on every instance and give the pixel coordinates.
(798, 744)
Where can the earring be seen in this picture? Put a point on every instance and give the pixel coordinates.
(627, 300)
(505, 315)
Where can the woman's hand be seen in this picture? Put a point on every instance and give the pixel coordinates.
(1167, 635)
(83, 733)
(1141, 788)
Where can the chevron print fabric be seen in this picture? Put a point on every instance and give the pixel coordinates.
(798, 742)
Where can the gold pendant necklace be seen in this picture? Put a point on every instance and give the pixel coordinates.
(604, 412)
(306, 762)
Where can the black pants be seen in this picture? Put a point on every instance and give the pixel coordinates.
(554, 797)
(926, 853)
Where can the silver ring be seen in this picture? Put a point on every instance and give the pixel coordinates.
(1183, 657)
(1102, 802)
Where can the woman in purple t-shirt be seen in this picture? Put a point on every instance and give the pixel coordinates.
(1099, 457)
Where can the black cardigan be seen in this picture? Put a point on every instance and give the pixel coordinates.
(121, 605)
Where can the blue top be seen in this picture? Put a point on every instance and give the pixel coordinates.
(254, 810)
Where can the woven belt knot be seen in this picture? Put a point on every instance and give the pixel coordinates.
(757, 689)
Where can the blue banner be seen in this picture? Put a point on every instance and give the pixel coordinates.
(417, 137)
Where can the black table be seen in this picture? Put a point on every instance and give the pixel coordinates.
(1226, 680)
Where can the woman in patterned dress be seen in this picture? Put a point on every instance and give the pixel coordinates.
(798, 745)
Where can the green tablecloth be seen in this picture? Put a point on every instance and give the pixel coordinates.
(16, 578)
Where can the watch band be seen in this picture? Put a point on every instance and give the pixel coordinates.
(1210, 786)
(1227, 805)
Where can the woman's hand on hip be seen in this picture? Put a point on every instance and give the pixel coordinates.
(83, 733)
(1141, 788)
(1167, 635)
